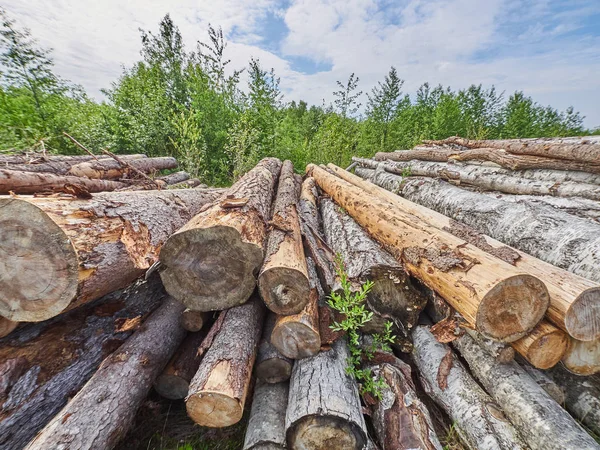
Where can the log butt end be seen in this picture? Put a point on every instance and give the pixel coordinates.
(171, 387)
(548, 350)
(512, 308)
(214, 409)
(284, 290)
(192, 321)
(582, 319)
(210, 269)
(583, 357)
(274, 370)
(296, 340)
(38, 264)
(325, 433)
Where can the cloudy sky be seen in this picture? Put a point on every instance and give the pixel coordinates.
(548, 48)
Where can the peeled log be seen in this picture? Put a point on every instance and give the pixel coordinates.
(479, 421)
(324, 410)
(266, 426)
(271, 366)
(583, 358)
(193, 320)
(103, 410)
(541, 232)
(7, 326)
(109, 169)
(283, 279)
(212, 262)
(501, 302)
(541, 421)
(217, 393)
(63, 252)
(544, 346)
(297, 336)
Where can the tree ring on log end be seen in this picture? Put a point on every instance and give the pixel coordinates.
(214, 409)
(38, 264)
(538, 354)
(512, 308)
(171, 387)
(296, 340)
(583, 357)
(274, 370)
(284, 290)
(210, 269)
(325, 433)
(582, 319)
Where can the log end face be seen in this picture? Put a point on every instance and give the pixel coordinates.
(192, 320)
(284, 290)
(274, 370)
(583, 357)
(582, 319)
(512, 308)
(548, 350)
(325, 433)
(296, 340)
(171, 387)
(38, 263)
(214, 409)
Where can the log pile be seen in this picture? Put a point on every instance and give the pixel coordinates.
(496, 329)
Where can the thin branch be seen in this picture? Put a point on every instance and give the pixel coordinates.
(124, 163)
(81, 146)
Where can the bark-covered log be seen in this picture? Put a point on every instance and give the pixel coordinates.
(212, 262)
(540, 420)
(503, 303)
(297, 336)
(174, 381)
(59, 167)
(266, 426)
(193, 320)
(61, 354)
(62, 252)
(283, 279)
(544, 381)
(544, 347)
(271, 366)
(110, 169)
(7, 326)
(556, 238)
(103, 410)
(174, 178)
(38, 158)
(479, 421)
(324, 411)
(583, 357)
(582, 397)
(501, 352)
(393, 296)
(217, 393)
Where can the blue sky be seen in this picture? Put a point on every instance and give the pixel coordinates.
(548, 49)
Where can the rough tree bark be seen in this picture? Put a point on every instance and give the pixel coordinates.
(7, 326)
(503, 303)
(38, 158)
(583, 357)
(110, 169)
(544, 347)
(266, 426)
(174, 178)
(283, 279)
(217, 393)
(544, 381)
(62, 252)
(502, 353)
(212, 262)
(479, 421)
(324, 411)
(58, 167)
(103, 410)
(540, 420)
(271, 366)
(193, 320)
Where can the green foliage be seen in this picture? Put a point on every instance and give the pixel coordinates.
(352, 307)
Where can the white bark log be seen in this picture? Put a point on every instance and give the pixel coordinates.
(266, 426)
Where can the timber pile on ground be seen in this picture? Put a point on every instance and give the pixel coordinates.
(218, 299)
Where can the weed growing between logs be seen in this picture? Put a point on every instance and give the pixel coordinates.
(352, 306)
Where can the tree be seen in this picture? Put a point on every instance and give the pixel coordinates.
(382, 104)
(346, 98)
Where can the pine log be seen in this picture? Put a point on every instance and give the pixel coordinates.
(283, 279)
(61, 354)
(266, 426)
(103, 410)
(38, 158)
(59, 167)
(297, 336)
(582, 397)
(314, 241)
(393, 296)
(271, 366)
(212, 262)
(501, 302)
(174, 381)
(110, 169)
(544, 347)
(553, 237)
(544, 381)
(324, 411)
(191, 183)
(174, 178)
(479, 421)
(193, 320)
(7, 326)
(540, 420)
(583, 357)
(217, 393)
(63, 252)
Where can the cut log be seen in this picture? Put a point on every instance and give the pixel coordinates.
(103, 410)
(59, 252)
(61, 354)
(393, 296)
(20, 182)
(174, 178)
(174, 381)
(38, 157)
(583, 357)
(271, 366)
(502, 353)
(59, 167)
(7, 326)
(544, 347)
(324, 411)
(479, 421)
(110, 169)
(193, 320)
(501, 302)
(297, 336)
(212, 262)
(556, 238)
(540, 420)
(218, 391)
(582, 397)
(544, 381)
(283, 280)
(266, 426)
